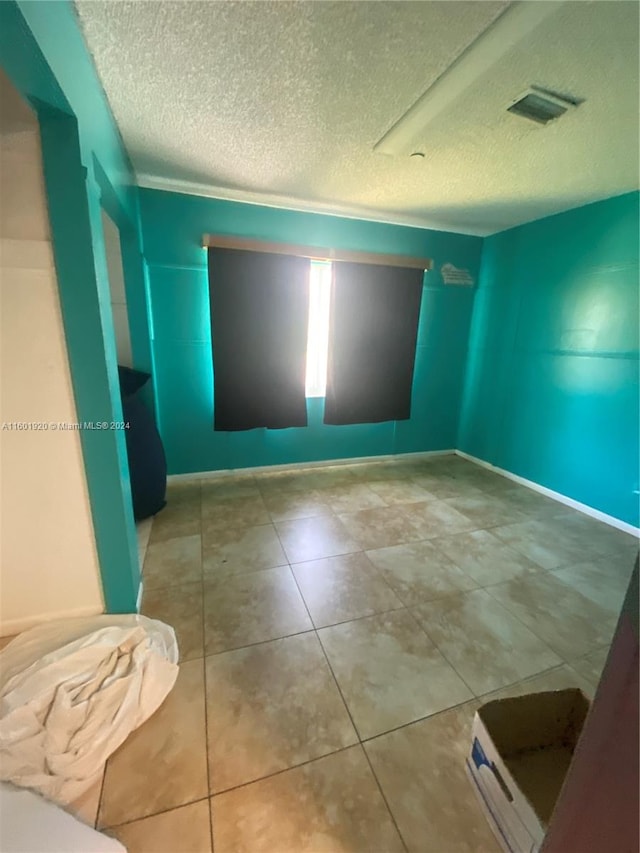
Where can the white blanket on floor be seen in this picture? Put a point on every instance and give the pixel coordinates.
(70, 693)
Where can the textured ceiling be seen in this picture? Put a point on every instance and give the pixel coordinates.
(282, 102)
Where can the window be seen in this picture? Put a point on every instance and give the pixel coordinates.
(342, 330)
(318, 330)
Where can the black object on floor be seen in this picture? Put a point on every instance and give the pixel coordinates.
(147, 462)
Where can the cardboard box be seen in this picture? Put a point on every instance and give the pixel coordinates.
(521, 749)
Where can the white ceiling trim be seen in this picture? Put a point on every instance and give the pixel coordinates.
(153, 182)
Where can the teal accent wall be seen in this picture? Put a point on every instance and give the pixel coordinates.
(173, 225)
(551, 390)
(85, 167)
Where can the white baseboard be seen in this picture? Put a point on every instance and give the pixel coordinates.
(9, 627)
(296, 466)
(556, 496)
(139, 597)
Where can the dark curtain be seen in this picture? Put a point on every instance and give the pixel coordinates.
(259, 316)
(372, 343)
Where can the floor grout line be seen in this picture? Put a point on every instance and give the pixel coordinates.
(383, 795)
(474, 700)
(536, 632)
(355, 728)
(404, 508)
(284, 770)
(204, 672)
(114, 826)
(439, 650)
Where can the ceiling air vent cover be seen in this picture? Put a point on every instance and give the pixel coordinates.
(541, 106)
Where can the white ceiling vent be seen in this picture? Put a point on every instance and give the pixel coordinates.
(542, 106)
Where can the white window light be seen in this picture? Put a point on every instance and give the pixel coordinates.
(318, 330)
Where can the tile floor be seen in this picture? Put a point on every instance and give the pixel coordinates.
(338, 629)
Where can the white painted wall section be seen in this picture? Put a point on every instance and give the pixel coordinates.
(48, 560)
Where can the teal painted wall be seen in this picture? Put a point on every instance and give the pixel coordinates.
(43, 53)
(551, 390)
(173, 225)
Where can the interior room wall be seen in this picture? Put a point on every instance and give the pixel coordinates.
(551, 390)
(86, 171)
(48, 561)
(117, 290)
(173, 225)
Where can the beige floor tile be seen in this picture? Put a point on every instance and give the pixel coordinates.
(282, 482)
(305, 479)
(163, 763)
(180, 607)
(332, 804)
(566, 620)
(326, 477)
(173, 562)
(437, 518)
(421, 771)
(183, 504)
(183, 830)
(601, 581)
(246, 549)
(389, 672)
(486, 510)
(599, 538)
(418, 463)
(541, 541)
(486, 482)
(442, 487)
(232, 513)
(270, 707)
(364, 472)
(451, 460)
(375, 472)
(251, 608)
(314, 538)
(350, 497)
(183, 491)
(488, 646)
(534, 504)
(295, 504)
(485, 557)
(221, 489)
(143, 534)
(419, 572)
(401, 491)
(380, 527)
(559, 678)
(175, 521)
(591, 666)
(440, 462)
(337, 589)
(275, 705)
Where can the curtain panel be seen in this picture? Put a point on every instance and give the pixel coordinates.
(259, 306)
(372, 344)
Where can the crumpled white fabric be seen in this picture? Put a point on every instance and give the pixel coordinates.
(70, 693)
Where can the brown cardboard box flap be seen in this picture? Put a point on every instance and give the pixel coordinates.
(536, 736)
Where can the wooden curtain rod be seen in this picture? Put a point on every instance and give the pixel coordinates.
(315, 253)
